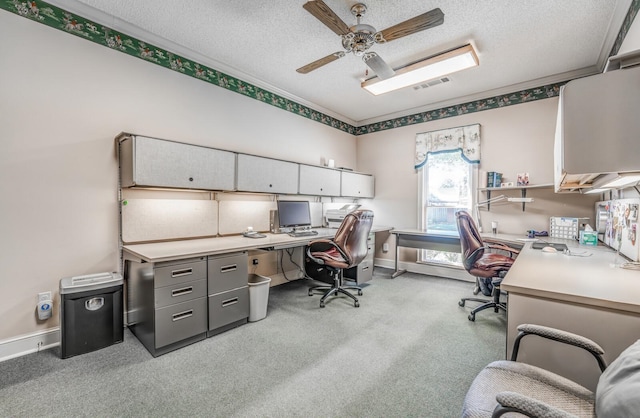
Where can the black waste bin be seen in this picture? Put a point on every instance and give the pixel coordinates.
(91, 313)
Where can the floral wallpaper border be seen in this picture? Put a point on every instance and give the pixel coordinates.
(52, 16)
(626, 25)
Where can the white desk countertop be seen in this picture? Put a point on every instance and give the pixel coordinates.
(173, 250)
(591, 280)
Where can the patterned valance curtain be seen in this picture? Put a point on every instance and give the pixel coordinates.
(466, 139)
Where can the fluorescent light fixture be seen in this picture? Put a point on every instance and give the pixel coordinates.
(614, 181)
(623, 180)
(433, 67)
(593, 191)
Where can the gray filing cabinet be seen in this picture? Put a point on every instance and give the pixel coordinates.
(167, 303)
(363, 272)
(159, 163)
(319, 181)
(259, 174)
(357, 185)
(228, 291)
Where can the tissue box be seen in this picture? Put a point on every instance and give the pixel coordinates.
(589, 238)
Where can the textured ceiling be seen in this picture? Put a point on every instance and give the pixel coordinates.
(520, 44)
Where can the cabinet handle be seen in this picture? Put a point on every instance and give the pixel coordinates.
(181, 292)
(227, 269)
(180, 273)
(182, 315)
(229, 302)
(365, 268)
(190, 178)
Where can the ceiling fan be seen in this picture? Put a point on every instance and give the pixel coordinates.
(360, 37)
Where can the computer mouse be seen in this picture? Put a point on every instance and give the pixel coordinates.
(549, 250)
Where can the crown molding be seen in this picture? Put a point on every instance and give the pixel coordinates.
(91, 24)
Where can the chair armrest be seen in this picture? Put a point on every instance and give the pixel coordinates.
(497, 245)
(560, 336)
(515, 402)
(323, 245)
(320, 244)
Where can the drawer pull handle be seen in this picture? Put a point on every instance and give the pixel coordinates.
(181, 292)
(180, 273)
(183, 315)
(229, 302)
(365, 268)
(227, 269)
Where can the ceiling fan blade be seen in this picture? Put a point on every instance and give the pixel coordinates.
(323, 13)
(319, 63)
(378, 65)
(419, 23)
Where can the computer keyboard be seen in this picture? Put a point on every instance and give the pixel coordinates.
(308, 233)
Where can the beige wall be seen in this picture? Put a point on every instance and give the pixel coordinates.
(63, 101)
(513, 139)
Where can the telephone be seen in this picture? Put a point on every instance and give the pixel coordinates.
(253, 234)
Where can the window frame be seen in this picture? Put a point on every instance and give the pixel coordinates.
(423, 257)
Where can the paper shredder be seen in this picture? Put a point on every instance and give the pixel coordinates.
(91, 313)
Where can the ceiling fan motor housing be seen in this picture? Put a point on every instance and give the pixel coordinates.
(359, 39)
(362, 36)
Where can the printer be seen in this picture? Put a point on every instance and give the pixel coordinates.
(334, 217)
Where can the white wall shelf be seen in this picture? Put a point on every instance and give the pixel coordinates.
(523, 191)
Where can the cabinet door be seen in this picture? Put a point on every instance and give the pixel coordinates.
(258, 174)
(357, 185)
(319, 181)
(163, 163)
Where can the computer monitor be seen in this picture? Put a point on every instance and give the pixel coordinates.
(294, 213)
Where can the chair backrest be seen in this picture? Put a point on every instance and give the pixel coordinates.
(351, 237)
(470, 239)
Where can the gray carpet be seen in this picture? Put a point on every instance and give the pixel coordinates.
(408, 351)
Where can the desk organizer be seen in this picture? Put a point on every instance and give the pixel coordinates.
(568, 228)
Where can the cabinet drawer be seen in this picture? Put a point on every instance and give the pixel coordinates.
(227, 273)
(228, 307)
(180, 273)
(361, 273)
(181, 292)
(180, 321)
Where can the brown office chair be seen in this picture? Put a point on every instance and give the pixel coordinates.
(488, 268)
(347, 249)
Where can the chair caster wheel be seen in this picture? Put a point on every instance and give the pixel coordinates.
(472, 317)
(310, 293)
(322, 304)
(359, 292)
(356, 304)
(461, 303)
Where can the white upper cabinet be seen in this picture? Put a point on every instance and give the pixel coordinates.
(266, 175)
(159, 163)
(319, 181)
(357, 185)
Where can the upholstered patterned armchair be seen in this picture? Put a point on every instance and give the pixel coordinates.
(505, 387)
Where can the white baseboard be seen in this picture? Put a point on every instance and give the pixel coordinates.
(31, 343)
(43, 340)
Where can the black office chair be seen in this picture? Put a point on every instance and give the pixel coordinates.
(488, 268)
(347, 249)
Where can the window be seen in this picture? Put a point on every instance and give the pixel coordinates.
(446, 186)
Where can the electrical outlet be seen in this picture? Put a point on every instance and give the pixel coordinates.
(255, 261)
(44, 296)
